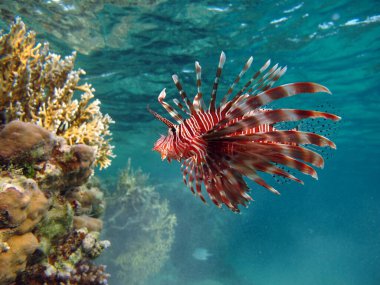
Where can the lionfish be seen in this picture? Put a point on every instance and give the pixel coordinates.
(221, 143)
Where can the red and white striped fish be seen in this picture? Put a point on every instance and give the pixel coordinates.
(219, 145)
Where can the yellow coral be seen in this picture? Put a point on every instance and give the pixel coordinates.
(39, 86)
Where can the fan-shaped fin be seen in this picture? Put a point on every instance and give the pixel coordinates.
(250, 103)
(268, 117)
(169, 108)
(236, 81)
(293, 163)
(186, 100)
(222, 60)
(284, 137)
(198, 102)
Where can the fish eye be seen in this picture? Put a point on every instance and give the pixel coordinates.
(172, 130)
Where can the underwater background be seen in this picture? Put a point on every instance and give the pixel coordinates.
(325, 232)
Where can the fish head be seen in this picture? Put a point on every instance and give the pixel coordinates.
(165, 145)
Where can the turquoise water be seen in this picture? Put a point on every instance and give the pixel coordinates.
(326, 232)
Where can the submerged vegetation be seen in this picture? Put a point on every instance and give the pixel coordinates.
(136, 212)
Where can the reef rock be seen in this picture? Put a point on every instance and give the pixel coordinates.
(92, 224)
(88, 200)
(25, 142)
(68, 167)
(56, 164)
(14, 260)
(22, 206)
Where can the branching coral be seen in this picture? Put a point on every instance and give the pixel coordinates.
(40, 87)
(136, 213)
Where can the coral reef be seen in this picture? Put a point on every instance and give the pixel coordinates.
(69, 263)
(69, 166)
(45, 157)
(136, 213)
(83, 274)
(49, 221)
(38, 86)
(88, 198)
(49, 146)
